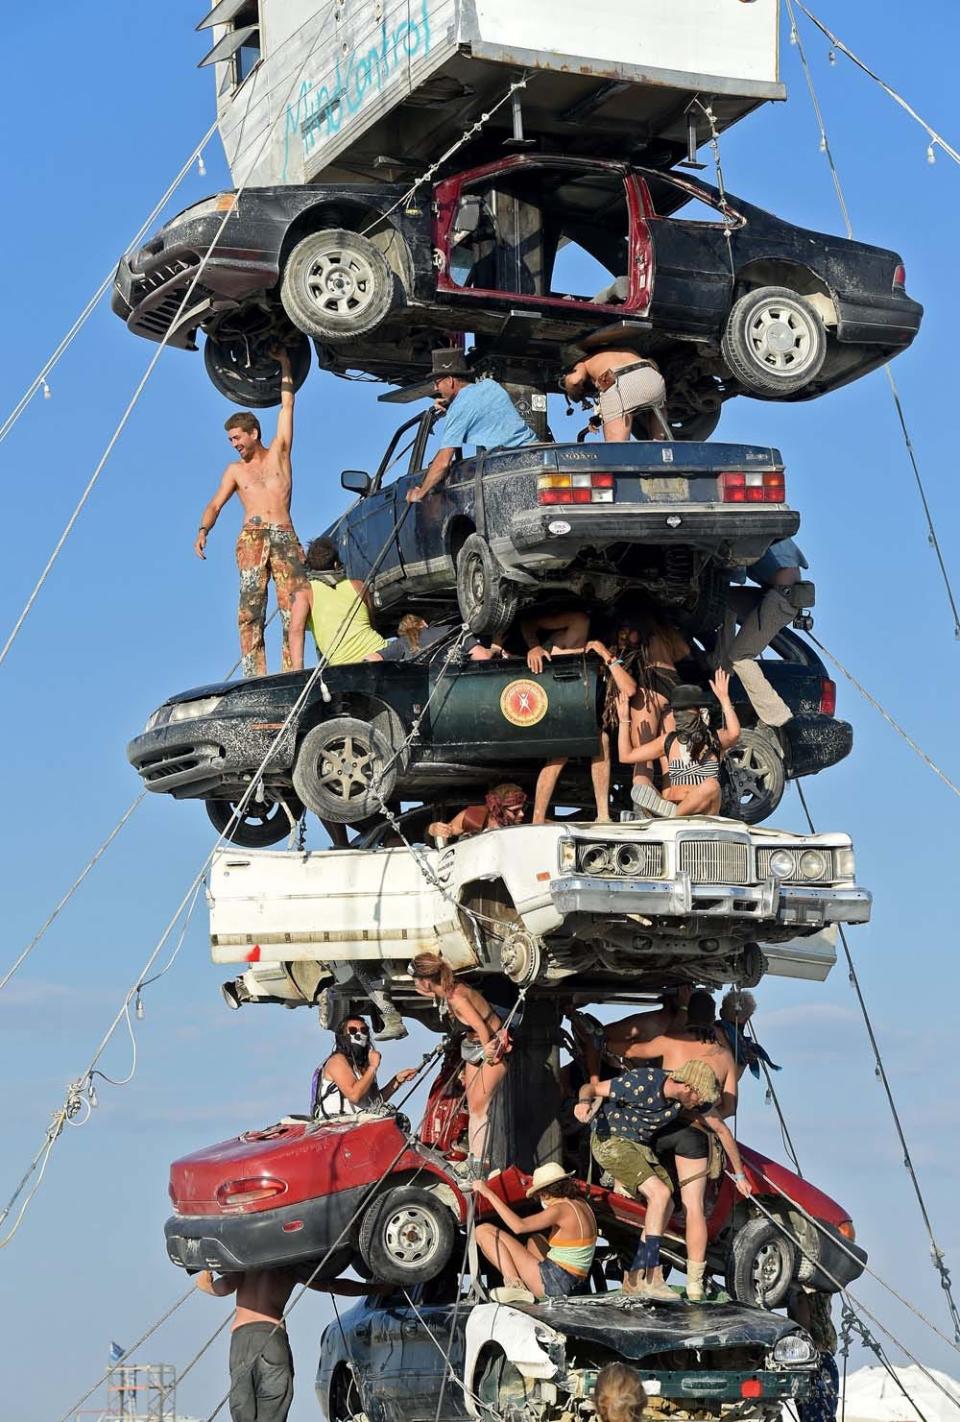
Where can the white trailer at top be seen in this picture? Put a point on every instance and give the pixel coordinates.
(380, 88)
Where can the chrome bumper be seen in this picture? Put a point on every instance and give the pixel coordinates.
(680, 897)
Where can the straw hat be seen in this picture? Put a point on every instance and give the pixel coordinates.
(702, 1078)
(545, 1175)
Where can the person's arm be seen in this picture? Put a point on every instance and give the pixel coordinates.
(283, 440)
(299, 617)
(728, 1102)
(518, 1224)
(731, 722)
(644, 1051)
(465, 1012)
(629, 753)
(218, 1288)
(589, 1098)
(353, 1088)
(622, 679)
(439, 465)
(398, 1079)
(225, 491)
(362, 592)
(722, 1131)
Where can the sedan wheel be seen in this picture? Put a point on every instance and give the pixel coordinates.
(344, 770)
(241, 368)
(774, 342)
(752, 777)
(346, 1401)
(406, 1237)
(337, 286)
(261, 823)
(488, 601)
(761, 1265)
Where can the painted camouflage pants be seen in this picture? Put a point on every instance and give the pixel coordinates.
(266, 551)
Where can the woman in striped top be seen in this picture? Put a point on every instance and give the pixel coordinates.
(690, 749)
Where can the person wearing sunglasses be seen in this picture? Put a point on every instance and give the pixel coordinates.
(346, 1083)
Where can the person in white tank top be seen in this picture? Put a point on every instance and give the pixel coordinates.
(346, 1083)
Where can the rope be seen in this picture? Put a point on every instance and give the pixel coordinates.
(936, 1253)
(936, 139)
(772, 1094)
(40, 379)
(131, 405)
(851, 1323)
(845, 213)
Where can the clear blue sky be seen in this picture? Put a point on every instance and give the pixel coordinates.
(99, 115)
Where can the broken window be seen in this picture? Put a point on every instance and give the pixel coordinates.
(674, 200)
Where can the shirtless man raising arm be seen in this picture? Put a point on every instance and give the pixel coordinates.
(268, 546)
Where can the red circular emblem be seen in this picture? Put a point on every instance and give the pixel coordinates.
(524, 702)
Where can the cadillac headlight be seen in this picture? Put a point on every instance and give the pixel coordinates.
(595, 859)
(794, 1350)
(813, 864)
(192, 710)
(843, 864)
(782, 864)
(568, 855)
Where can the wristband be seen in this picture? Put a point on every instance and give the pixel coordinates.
(615, 662)
(740, 1176)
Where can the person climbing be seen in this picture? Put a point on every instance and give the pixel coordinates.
(346, 1082)
(762, 612)
(640, 1116)
(568, 632)
(627, 385)
(736, 1010)
(619, 1395)
(648, 648)
(692, 752)
(261, 1364)
(597, 1040)
(267, 546)
(502, 806)
(551, 1267)
(698, 1038)
(478, 412)
(483, 1050)
(335, 608)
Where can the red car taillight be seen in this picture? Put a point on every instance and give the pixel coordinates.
(575, 489)
(752, 487)
(751, 1387)
(845, 1227)
(235, 1193)
(828, 696)
(899, 277)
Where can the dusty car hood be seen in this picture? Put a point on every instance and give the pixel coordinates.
(637, 1329)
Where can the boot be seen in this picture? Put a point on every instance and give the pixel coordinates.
(695, 1289)
(393, 1027)
(633, 1282)
(657, 1291)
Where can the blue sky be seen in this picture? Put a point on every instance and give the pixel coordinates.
(99, 116)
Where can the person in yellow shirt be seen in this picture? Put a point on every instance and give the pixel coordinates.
(335, 608)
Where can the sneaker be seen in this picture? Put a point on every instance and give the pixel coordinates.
(644, 797)
(392, 1029)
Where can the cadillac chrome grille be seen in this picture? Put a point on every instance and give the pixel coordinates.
(715, 861)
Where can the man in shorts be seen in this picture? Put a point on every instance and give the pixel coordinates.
(626, 384)
(639, 1118)
(761, 613)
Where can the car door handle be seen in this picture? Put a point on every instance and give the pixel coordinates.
(410, 1328)
(362, 1331)
(569, 669)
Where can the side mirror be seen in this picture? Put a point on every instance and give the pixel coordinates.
(467, 219)
(356, 481)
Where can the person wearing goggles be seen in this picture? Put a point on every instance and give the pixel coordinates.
(346, 1083)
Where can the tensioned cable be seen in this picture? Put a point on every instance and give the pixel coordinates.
(40, 379)
(936, 139)
(91, 862)
(936, 1253)
(918, 750)
(131, 405)
(895, 393)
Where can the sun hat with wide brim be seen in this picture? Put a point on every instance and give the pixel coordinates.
(545, 1175)
(702, 1078)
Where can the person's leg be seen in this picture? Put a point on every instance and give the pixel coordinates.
(546, 784)
(516, 1264)
(619, 429)
(481, 1083)
(538, 1245)
(252, 555)
(691, 1174)
(289, 576)
(769, 705)
(701, 799)
(600, 775)
(244, 1345)
(759, 624)
(646, 1273)
(274, 1378)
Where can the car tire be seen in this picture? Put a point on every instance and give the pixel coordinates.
(406, 1236)
(774, 342)
(488, 601)
(346, 1398)
(337, 286)
(241, 370)
(761, 1264)
(344, 770)
(753, 776)
(753, 965)
(694, 425)
(262, 823)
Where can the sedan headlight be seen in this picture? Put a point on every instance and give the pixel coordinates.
(192, 710)
(782, 864)
(813, 864)
(794, 1350)
(843, 864)
(568, 855)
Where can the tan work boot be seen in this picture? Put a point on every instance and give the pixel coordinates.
(657, 1291)
(695, 1290)
(633, 1282)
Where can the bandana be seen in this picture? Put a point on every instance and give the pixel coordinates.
(504, 797)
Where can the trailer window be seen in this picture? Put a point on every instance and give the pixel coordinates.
(238, 48)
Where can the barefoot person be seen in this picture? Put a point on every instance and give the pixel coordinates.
(484, 1045)
(556, 1259)
(267, 547)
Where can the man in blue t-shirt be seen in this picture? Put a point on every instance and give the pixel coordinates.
(479, 412)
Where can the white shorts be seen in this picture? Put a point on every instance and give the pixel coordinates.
(638, 389)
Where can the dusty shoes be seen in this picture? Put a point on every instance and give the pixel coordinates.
(512, 1293)
(696, 1292)
(647, 801)
(393, 1027)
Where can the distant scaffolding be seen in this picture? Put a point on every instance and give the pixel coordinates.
(142, 1392)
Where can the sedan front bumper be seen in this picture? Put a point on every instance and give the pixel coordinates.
(195, 759)
(783, 904)
(745, 531)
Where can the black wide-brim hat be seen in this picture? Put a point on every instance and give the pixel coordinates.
(451, 361)
(687, 697)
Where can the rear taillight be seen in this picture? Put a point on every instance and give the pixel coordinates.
(234, 1194)
(575, 489)
(828, 696)
(899, 277)
(753, 487)
(845, 1227)
(751, 1387)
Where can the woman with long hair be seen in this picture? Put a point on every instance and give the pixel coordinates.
(648, 649)
(692, 752)
(484, 1045)
(550, 1265)
(619, 1394)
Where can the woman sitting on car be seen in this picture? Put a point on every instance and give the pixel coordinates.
(692, 753)
(484, 1047)
(346, 1083)
(551, 1266)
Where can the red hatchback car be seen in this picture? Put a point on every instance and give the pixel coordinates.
(365, 1192)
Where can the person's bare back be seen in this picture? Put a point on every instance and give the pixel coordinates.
(685, 1045)
(262, 1294)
